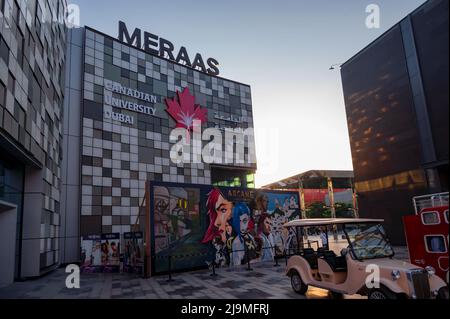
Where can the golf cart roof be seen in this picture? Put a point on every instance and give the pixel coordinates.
(329, 221)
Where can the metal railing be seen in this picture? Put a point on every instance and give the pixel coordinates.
(211, 254)
(428, 201)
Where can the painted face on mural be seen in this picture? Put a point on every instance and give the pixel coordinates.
(224, 210)
(267, 226)
(292, 202)
(261, 203)
(244, 224)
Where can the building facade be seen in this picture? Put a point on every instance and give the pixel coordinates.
(119, 128)
(32, 74)
(397, 104)
(86, 120)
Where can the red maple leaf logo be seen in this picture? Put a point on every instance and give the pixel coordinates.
(185, 111)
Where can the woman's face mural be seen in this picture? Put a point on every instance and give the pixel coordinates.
(244, 220)
(224, 210)
(220, 212)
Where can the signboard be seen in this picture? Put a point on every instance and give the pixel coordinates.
(156, 45)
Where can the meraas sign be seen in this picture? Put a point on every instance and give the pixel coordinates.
(156, 45)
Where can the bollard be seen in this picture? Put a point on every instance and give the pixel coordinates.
(275, 256)
(248, 259)
(170, 269)
(276, 262)
(213, 269)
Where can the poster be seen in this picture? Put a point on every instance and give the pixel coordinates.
(198, 226)
(133, 254)
(91, 254)
(110, 247)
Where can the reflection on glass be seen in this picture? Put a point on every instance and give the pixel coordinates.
(368, 241)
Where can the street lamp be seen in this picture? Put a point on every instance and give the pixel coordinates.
(334, 66)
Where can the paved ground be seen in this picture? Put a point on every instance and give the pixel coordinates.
(264, 282)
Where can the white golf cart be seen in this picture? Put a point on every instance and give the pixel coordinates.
(341, 254)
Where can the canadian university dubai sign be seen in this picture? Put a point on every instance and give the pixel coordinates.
(114, 87)
(156, 45)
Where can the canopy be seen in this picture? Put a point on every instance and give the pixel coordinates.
(330, 221)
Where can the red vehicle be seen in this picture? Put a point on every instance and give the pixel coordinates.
(427, 233)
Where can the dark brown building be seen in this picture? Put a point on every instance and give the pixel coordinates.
(397, 104)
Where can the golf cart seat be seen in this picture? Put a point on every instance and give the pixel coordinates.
(311, 257)
(320, 251)
(337, 263)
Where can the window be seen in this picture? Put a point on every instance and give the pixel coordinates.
(11, 83)
(2, 95)
(446, 216)
(20, 47)
(430, 218)
(4, 51)
(435, 244)
(125, 73)
(368, 241)
(125, 57)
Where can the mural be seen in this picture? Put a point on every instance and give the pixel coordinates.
(176, 227)
(202, 225)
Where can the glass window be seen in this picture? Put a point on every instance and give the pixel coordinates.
(4, 51)
(2, 95)
(368, 241)
(431, 218)
(125, 57)
(435, 244)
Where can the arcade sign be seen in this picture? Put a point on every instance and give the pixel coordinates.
(156, 45)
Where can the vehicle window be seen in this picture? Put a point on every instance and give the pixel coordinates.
(325, 238)
(431, 218)
(435, 244)
(368, 241)
(446, 216)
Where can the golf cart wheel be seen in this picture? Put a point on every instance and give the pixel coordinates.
(443, 293)
(382, 293)
(297, 283)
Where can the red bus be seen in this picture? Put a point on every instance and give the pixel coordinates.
(427, 233)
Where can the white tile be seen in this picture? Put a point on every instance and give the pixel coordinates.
(107, 220)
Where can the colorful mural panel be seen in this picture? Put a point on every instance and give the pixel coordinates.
(195, 226)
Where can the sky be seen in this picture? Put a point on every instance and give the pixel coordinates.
(283, 50)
